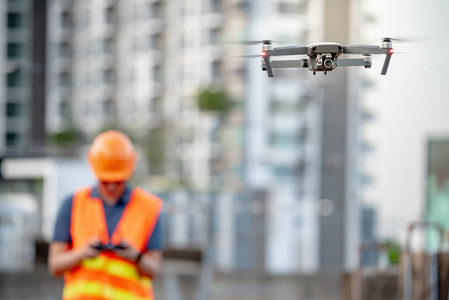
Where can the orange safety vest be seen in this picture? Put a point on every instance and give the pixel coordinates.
(108, 276)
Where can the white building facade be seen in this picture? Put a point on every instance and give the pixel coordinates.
(408, 108)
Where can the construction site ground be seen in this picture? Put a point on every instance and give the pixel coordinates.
(40, 285)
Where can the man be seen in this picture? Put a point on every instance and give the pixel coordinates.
(108, 240)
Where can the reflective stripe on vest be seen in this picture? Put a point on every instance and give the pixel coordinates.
(109, 276)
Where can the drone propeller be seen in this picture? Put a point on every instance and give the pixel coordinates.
(259, 42)
(404, 40)
(391, 39)
(246, 56)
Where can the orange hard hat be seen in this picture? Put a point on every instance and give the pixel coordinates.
(112, 156)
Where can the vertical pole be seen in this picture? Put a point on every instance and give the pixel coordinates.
(208, 263)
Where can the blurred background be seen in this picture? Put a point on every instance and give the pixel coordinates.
(270, 185)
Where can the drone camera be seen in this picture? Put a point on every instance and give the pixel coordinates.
(328, 63)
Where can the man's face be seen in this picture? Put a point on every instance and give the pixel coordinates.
(112, 189)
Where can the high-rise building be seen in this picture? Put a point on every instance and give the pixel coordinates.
(22, 88)
(138, 65)
(3, 70)
(281, 147)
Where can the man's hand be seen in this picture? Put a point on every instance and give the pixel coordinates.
(128, 252)
(89, 250)
(61, 258)
(149, 262)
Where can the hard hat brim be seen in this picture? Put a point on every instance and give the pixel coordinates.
(112, 175)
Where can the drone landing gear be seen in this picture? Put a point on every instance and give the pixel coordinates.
(314, 72)
(325, 72)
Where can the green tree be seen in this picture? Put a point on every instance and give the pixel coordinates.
(394, 251)
(67, 137)
(213, 100)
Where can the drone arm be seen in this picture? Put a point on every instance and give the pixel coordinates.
(386, 63)
(288, 51)
(280, 64)
(267, 66)
(352, 62)
(364, 49)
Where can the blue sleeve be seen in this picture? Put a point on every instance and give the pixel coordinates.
(63, 220)
(156, 240)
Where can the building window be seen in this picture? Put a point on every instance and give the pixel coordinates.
(14, 20)
(284, 139)
(156, 105)
(111, 15)
(108, 76)
(156, 10)
(214, 36)
(13, 79)
(12, 139)
(284, 172)
(216, 70)
(65, 109)
(12, 109)
(292, 7)
(215, 6)
(14, 50)
(242, 5)
(64, 79)
(157, 73)
(156, 41)
(108, 107)
(65, 49)
(285, 106)
(109, 46)
(66, 19)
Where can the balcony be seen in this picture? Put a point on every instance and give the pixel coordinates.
(287, 121)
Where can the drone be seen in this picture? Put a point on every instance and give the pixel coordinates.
(323, 57)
